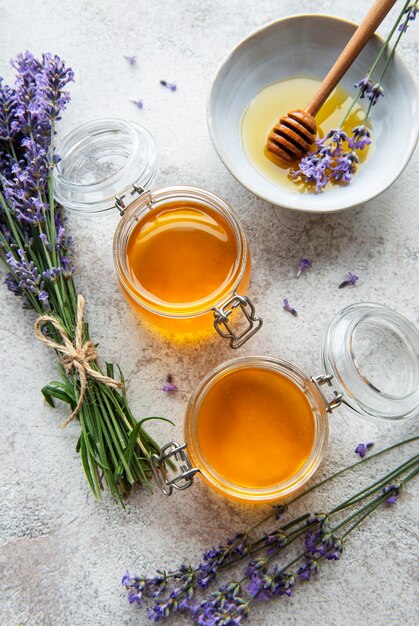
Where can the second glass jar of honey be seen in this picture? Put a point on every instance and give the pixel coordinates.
(256, 427)
(181, 255)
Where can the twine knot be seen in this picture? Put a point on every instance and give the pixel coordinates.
(75, 356)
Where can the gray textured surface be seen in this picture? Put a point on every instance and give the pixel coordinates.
(63, 553)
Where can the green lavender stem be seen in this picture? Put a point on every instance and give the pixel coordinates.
(376, 62)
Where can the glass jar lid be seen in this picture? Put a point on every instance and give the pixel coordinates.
(103, 159)
(373, 354)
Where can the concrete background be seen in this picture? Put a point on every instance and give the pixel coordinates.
(63, 553)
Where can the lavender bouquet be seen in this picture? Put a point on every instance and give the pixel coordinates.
(273, 561)
(36, 250)
(335, 158)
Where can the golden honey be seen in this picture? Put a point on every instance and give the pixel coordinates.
(181, 255)
(255, 427)
(275, 101)
(178, 258)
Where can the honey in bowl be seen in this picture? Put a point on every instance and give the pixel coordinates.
(255, 427)
(275, 100)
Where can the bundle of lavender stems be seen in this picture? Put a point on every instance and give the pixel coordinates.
(36, 250)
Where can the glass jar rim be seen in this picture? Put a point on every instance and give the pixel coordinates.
(149, 200)
(102, 159)
(321, 430)
(357, 333)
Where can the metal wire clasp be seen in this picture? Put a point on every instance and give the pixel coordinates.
(172, 451)
(336, 399)
(222, 324)
(119, 200)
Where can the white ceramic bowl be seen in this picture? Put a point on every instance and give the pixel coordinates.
(308, 45)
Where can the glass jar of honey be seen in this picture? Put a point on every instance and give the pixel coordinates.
(256, 428)
(181, 255)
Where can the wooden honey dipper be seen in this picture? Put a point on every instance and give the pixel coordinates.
(291, 138)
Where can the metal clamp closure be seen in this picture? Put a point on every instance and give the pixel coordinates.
(336, 399)
(119, 200)
(223, 326)
(172, 451)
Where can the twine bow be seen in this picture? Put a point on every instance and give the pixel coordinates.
(76, 356)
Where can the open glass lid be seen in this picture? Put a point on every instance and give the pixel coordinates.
(101, 160)
(372, 352)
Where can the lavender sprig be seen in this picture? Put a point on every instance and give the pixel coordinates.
(264, 577)
(334, 160)
(36, 250)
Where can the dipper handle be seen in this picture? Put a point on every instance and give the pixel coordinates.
(365, 30)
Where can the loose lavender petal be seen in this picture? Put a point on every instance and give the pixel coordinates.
(302, 266)
(351, 280)
(169, 388)
(286, 305)
(132, 59)
(362, 449)
(138, 103)
(171, 86)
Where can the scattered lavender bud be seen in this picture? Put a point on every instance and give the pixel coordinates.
(138, 103)
(286, 305)
(362, 449)
(351, 280)
(171, 86)
(169, 386)
(302, 266)
(132, 59)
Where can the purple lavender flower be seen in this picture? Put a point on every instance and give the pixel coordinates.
(45, 241)
(351, 280)
(329, 162)
(12, 285)
(362, 449)
(394, 490)
(138, 103)
(131, 58)
(344, 167)
(66, 268)
(361, 137)
(287, 307)
(280, 509)
(375, 93)
(309, 568)
(216, 557)
(410, 14)
(171, 86)
(303, 265)
(364, 86)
